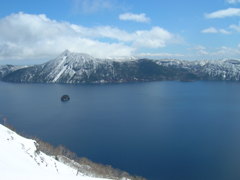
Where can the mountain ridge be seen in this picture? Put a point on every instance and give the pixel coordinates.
(75, 68)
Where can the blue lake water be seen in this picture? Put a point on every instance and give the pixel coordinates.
(159, 130)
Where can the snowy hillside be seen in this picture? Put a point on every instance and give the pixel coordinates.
(208, 70)
(20, 159)
(76, 68)
(70, 67)
(6, 69)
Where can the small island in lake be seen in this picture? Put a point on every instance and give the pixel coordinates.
(65, 98)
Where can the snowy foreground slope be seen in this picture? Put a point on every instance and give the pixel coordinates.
(19, 159)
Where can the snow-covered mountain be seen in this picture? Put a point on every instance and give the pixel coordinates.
(208, 70)
(81, 68)
(6, 69)
(20, 158)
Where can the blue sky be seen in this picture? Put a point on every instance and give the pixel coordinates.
(36, 31)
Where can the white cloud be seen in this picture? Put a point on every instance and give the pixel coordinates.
(27, 36)
(215, 31)
(210, 30)
(36, 36)
(104, 32)
(223, 31)
(215, 53)
(92, 6)
(134, 17)
(201, 50)
(199, 47)
(235, 27)
(233, 1)
(227, 52)
(160, 55)
(156, 37)
(224, 13)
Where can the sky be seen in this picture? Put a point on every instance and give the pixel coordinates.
(36, 31)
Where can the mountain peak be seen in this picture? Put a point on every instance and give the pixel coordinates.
(66, 52)
(74, 55)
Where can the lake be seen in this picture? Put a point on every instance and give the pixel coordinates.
(159, 130)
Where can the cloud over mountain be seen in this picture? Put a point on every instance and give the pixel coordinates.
(28, 36)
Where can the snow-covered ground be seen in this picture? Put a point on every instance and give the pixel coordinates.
(19, 159)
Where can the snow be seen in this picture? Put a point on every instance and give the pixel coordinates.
(20, 160)
(71, 67)
(61, 71)
(215, 70)
(69, 64)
